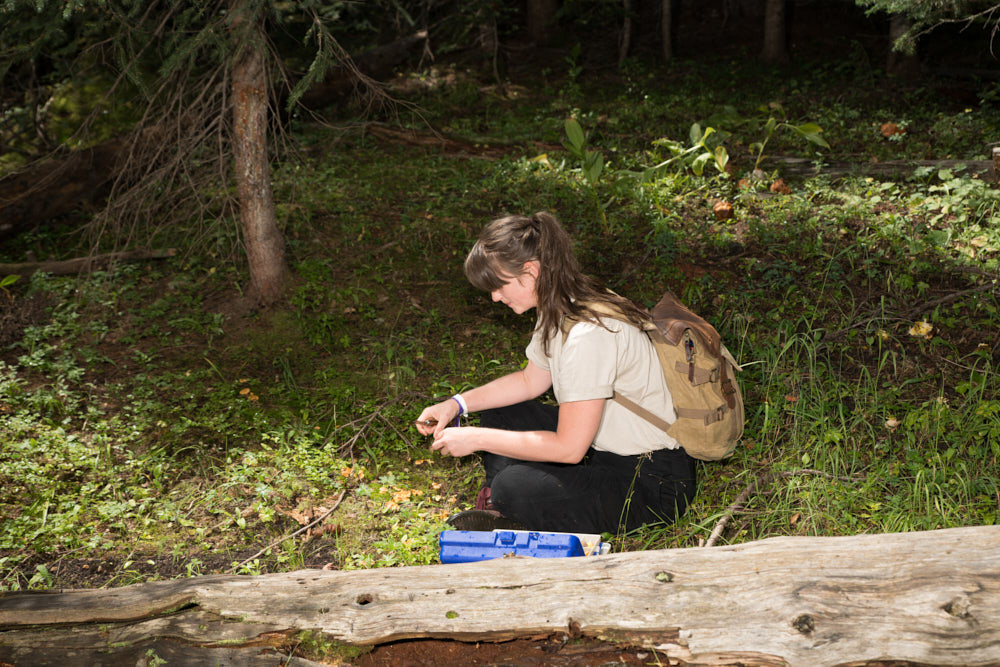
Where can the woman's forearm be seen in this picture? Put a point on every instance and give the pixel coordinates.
(523, 385)
(578, 423)
(522, 445)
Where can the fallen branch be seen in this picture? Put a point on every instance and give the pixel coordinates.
(278, 541)
(948, 298)
(753, 487)
(348, 447)
(83, 264)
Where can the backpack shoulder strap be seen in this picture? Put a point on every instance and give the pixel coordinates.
(651, 417)
(601, 308)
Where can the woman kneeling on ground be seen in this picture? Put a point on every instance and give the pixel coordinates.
(588, 465)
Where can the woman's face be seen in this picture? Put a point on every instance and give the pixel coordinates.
(518, 293)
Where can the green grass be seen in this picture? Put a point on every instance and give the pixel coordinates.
(153, 431)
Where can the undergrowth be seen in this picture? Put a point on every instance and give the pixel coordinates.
(151, 429)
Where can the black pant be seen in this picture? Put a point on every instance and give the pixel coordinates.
(603, 493)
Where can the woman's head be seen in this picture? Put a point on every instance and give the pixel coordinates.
(532, 251)
(504, 248)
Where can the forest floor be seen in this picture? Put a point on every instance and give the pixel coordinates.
(158, 426)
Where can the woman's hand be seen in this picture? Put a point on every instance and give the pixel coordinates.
(434, 419)
(578, 424)
(457, 441)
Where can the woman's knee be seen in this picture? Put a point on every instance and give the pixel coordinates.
(504, 486)
(523, 484)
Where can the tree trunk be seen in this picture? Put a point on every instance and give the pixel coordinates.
(898, 63)
(265, 245)
(775, 45)
(626, 42)
(930, 598)
(540, 19)
(667, 29)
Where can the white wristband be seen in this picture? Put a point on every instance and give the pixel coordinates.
(462, 407)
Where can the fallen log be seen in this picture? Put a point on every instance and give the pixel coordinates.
(925, 598)
(56, 187)
(377, 64)
(808, 167)
(66, 267)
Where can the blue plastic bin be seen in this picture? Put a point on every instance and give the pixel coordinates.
(466, 546)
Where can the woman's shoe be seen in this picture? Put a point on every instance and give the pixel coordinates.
(483, 501)
(482, 520)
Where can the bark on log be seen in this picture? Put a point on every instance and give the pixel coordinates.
(927, 598)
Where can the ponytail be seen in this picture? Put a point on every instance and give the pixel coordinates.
(506, 244)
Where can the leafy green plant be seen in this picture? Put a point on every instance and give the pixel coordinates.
(6, 282)
(810, 132)
(574, 69)
(41, 579)
(706, 146)
(591, 162)
(959, 205)
(765, 125)
(154, 660)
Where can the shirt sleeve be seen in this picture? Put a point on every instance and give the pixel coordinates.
(588, 363)
(536, 352)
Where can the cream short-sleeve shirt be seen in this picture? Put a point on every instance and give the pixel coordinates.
(597, 362)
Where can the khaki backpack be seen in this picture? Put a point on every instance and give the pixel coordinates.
(700, 374)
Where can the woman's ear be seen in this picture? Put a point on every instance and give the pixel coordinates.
(531, 268)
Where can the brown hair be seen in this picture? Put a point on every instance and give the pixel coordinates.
(507, 243)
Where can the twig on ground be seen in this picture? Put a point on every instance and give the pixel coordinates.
(291, 535)
(753, 487)
(58, 562)
(349, 445)
(366, 422)
(402, 436)
(948, 298)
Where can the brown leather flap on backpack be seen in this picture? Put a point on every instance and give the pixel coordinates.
(672, 317)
